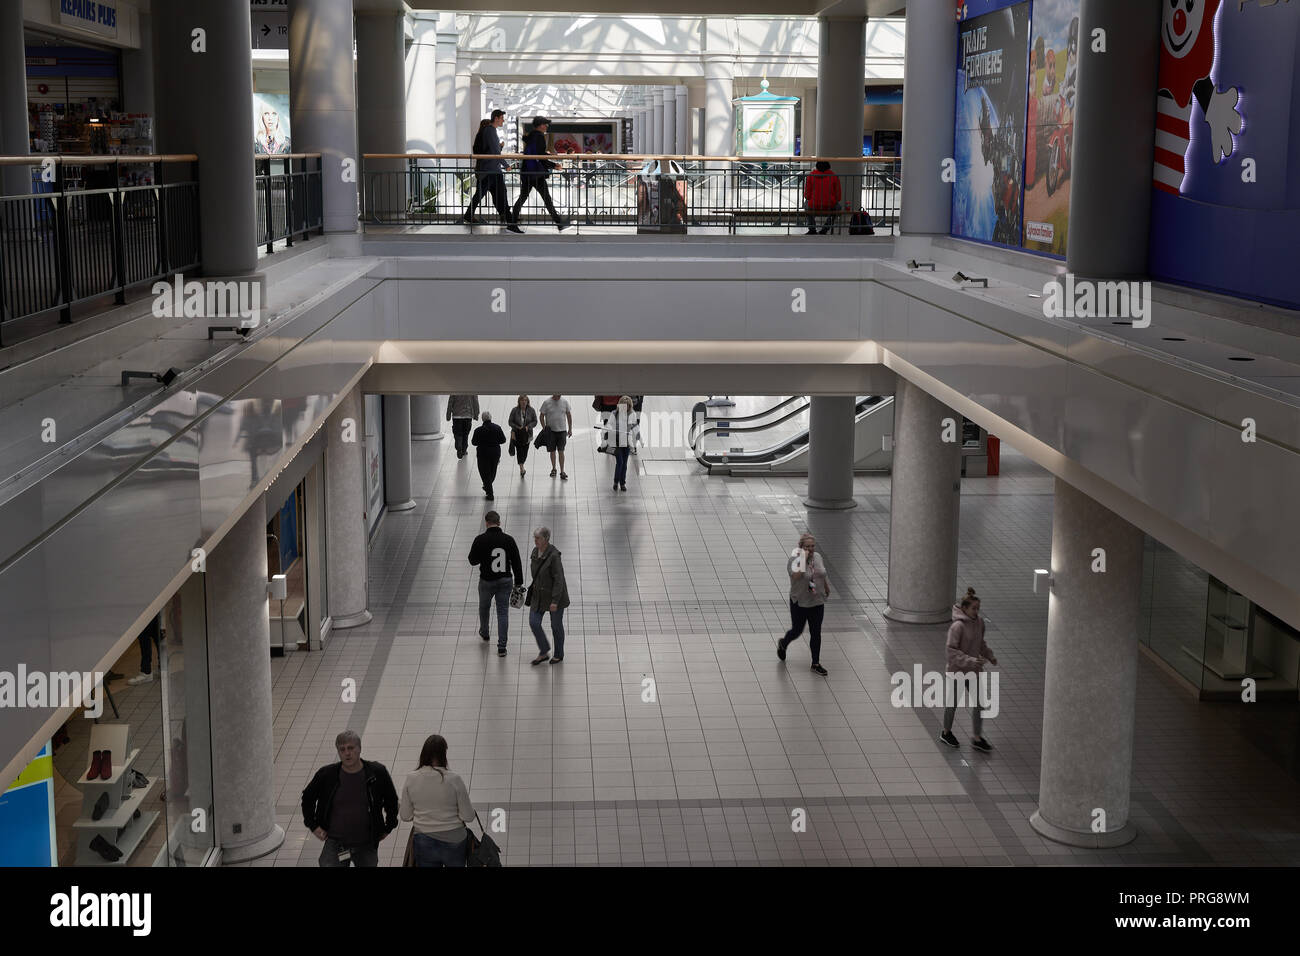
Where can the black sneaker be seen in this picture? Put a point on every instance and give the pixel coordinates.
(947, 738)
(553, 472)
(811, 232)
(780, 648)
(514, 227)
(556, 660)
(562, 225)
(818, 669)
(541, 658)
(622, 486)
(501, 652)
(563, 477)
(483, 634)
(981, 745)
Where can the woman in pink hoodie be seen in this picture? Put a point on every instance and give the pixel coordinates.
(967, 653)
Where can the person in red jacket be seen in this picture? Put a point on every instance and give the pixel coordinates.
(821, 194)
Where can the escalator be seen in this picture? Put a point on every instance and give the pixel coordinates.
(767, 448)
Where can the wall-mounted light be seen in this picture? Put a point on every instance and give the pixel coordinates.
(165, 378)
(1044, 575)
(886, 442)
(961, 277)
(913, 265)
(277, 589)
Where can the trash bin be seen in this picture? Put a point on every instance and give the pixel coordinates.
(661, 198)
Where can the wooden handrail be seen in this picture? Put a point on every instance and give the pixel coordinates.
(263, 156)
(37, 159)
(643, 157)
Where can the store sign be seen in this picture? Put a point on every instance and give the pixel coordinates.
(95, 16)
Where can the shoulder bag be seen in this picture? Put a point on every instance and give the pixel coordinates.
(481, 851)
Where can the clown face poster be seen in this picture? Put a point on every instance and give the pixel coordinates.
(989, 135)
(1225, 204)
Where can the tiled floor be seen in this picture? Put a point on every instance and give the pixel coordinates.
(680, 581)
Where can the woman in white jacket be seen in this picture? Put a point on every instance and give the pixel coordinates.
(438, 802)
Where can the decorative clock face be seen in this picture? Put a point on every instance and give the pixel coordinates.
(768, 131)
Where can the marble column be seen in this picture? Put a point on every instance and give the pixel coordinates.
(346, 537)
(1090, 687)
(426, 418)
(924, 508)
(831, 452)
(929, 92)
(397, 453)
(239, 676)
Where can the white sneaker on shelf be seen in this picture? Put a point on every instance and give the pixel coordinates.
(139, 679)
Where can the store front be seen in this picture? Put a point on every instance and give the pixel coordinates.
(127, 781)
(295, 548)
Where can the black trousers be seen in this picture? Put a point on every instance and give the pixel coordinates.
(487, 470)
(460, 432)
(531, 181)
(812, 616)
(521, 444)
(494, 185)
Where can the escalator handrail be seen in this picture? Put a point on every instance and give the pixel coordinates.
(696, 423)
(871, 402)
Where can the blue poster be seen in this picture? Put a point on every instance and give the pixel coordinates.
(989, 133)
(27, 815)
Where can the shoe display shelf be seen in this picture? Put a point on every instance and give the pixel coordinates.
(119, 826)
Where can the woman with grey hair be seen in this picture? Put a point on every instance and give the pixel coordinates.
(547, 594)
(809, 589)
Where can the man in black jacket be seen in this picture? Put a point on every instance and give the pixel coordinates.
(491, 176)
(350, 805)
(488, 439)
(497, 557)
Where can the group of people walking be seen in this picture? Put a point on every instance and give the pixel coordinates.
(352, 805)
(489, 173)
(554, 426)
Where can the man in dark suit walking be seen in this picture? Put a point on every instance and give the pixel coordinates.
(488, 439)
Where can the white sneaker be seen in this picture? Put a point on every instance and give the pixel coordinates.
(139, 679)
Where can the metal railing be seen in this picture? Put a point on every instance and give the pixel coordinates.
(711, 192)
(288, 197)
(94, 226)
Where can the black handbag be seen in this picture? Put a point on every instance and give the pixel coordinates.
(481, 851)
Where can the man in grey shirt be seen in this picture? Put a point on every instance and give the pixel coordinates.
(461, 412)
(809, 589)
(557, 428)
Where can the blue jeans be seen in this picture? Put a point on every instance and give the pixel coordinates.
(620, 465)
(431, 852)
(557, 628)
(499, 589)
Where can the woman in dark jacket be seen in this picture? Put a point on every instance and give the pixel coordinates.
(534, 173)
(522, 421)
(547, 594)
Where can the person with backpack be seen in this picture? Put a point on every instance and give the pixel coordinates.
(809, 589)
(436, 801)
(821, 194)
(534, 173)
(966, 653)
(604, 405)
(549, 593)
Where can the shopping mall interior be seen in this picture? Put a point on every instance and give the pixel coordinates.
(827, 321)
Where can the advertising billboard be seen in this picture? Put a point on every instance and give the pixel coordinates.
(989, 133)
(1225, 205)
(1049, 133)
(271, 124)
